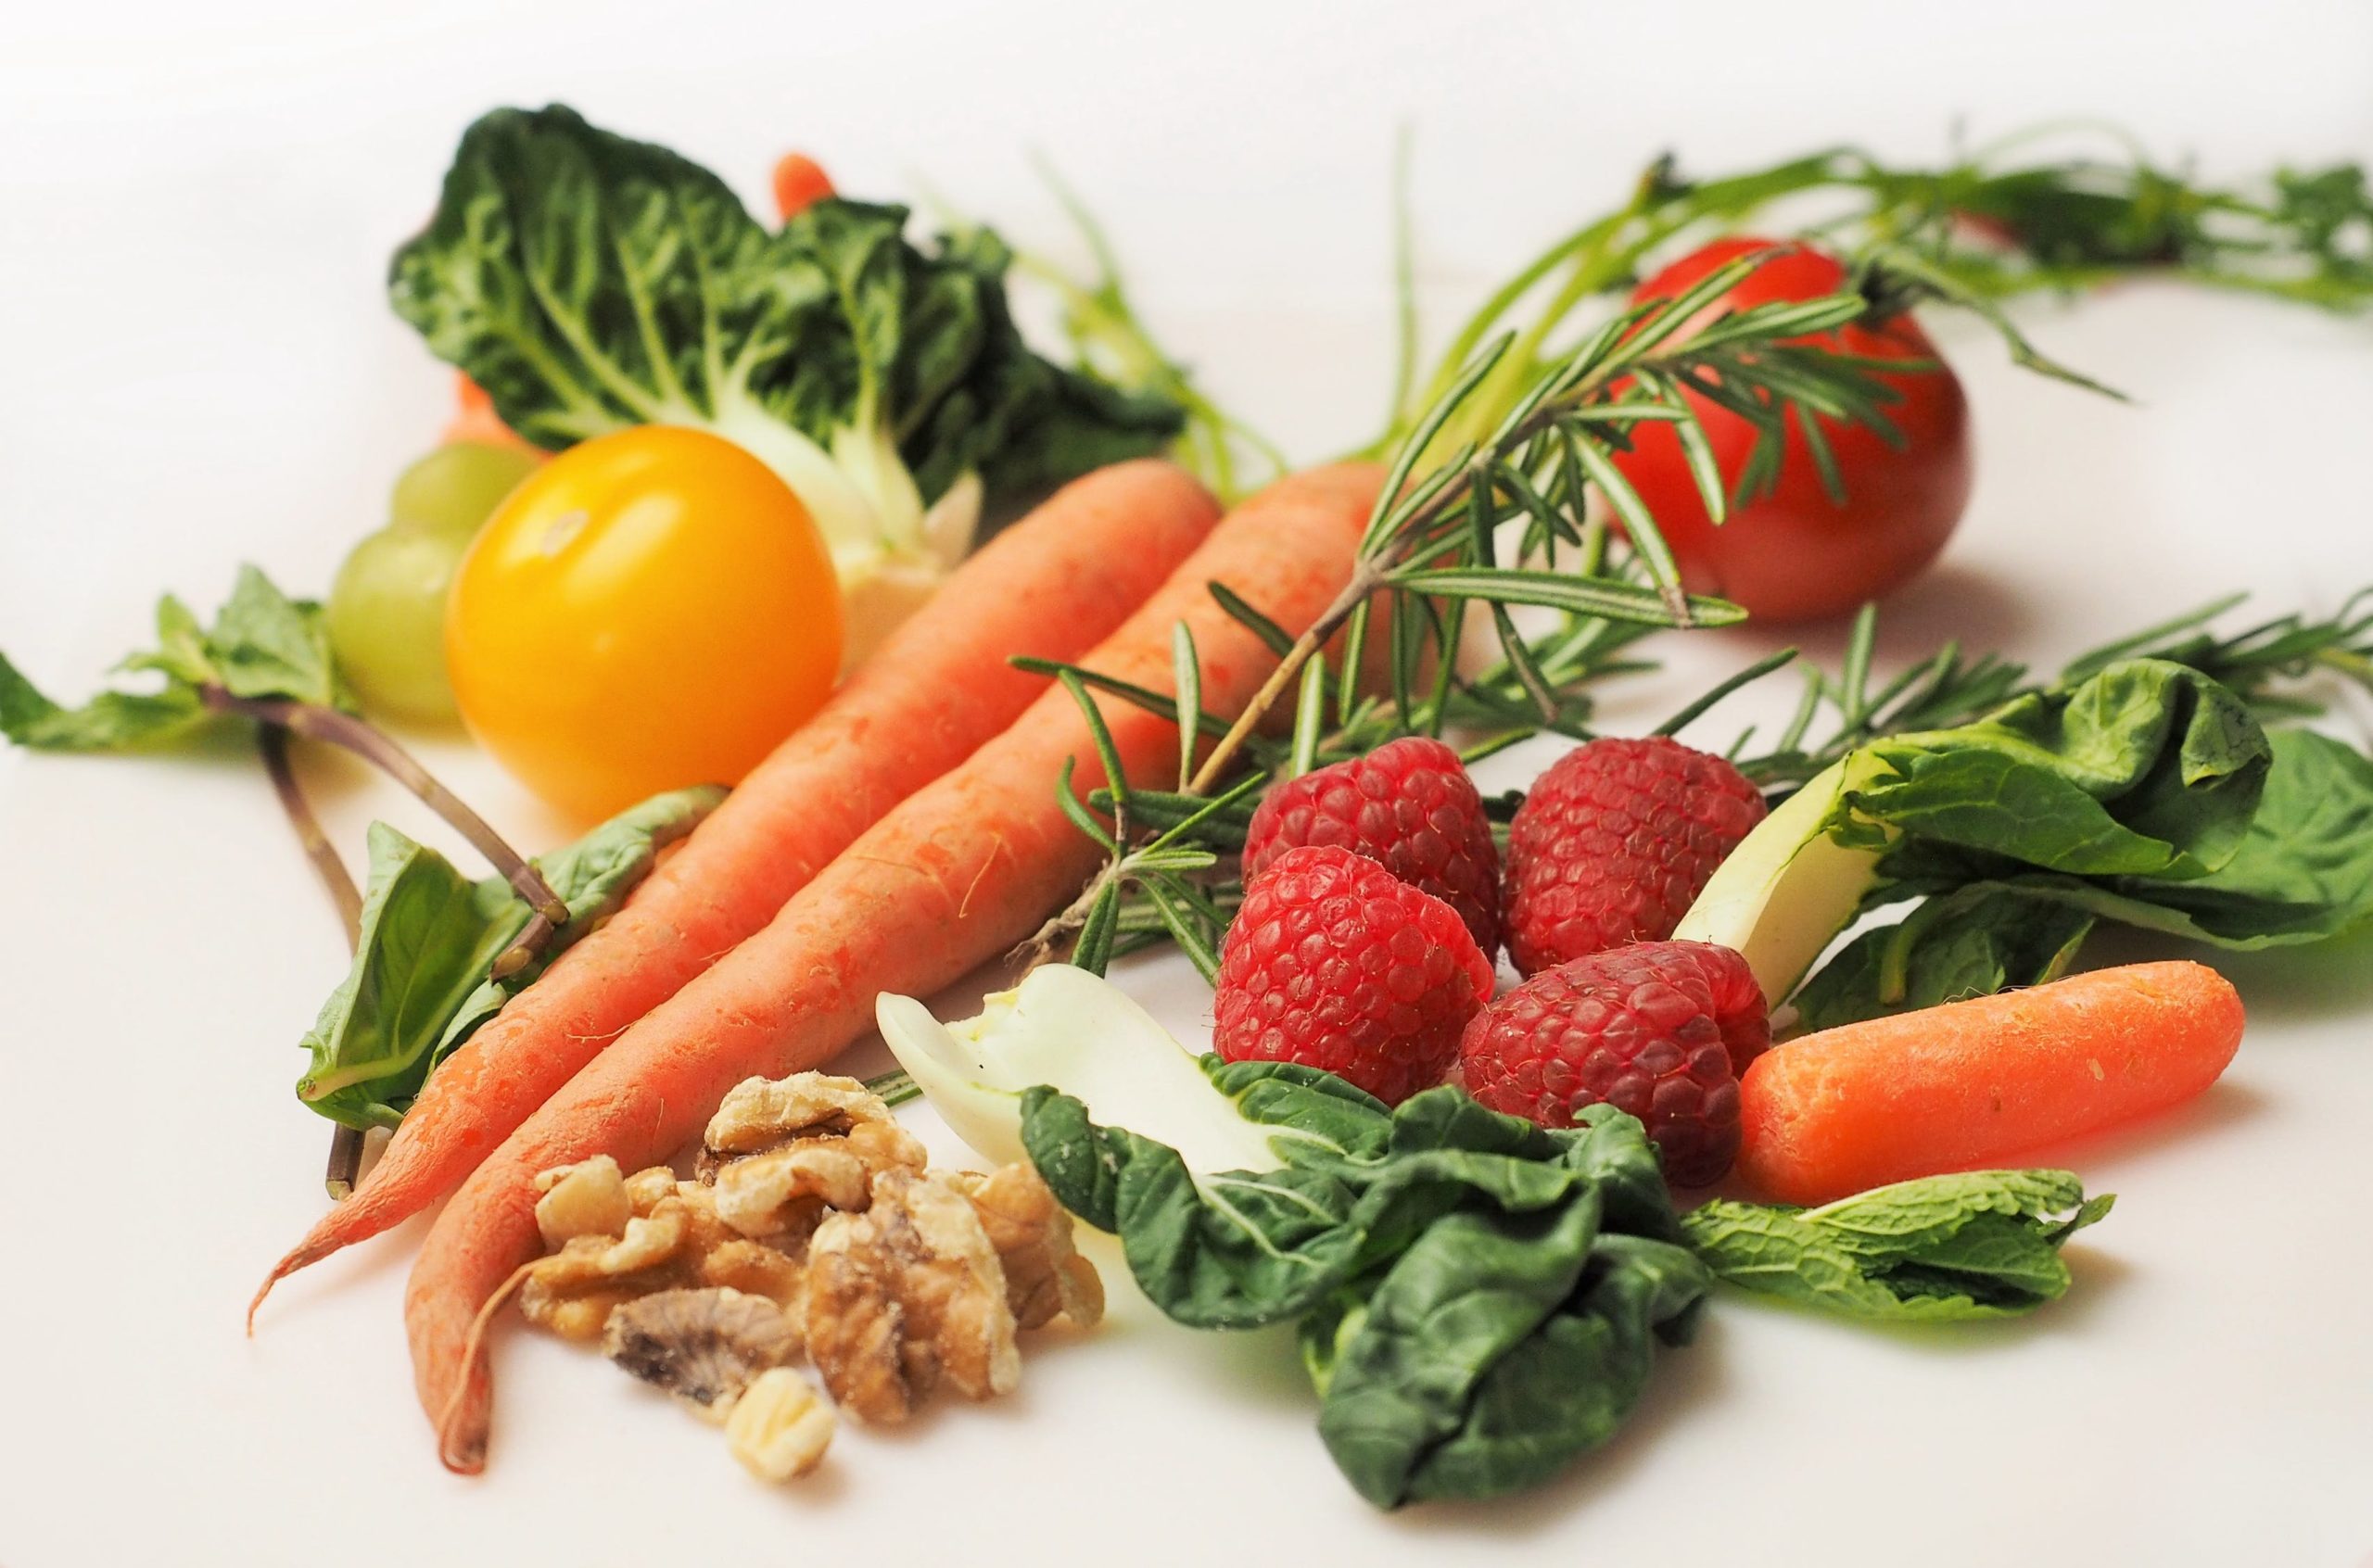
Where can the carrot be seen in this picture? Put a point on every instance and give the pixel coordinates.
(474, 419)
(800, 182)
(961, 872)
(1974, 1083)
(1053, 585)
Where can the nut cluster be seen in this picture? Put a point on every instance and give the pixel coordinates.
(813, 1226)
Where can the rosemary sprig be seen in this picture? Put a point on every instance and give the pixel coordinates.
(1435, 536)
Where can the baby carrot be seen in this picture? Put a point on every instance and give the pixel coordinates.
(800, 182)
(961, 872)
(1976, 1083)
(474, 419)
(1055, 584)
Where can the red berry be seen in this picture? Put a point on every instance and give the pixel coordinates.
(1614, 844)
(1336, 962)
(1409, 806)
(1661, 1030)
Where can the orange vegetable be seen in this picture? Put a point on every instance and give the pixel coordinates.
(1981, 1083)
(474, 419)
(800, 182)
(961, 872)
(1054, 584)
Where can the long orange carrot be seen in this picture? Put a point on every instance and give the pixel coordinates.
(1980, 1083)
(966, 868)
(1055, 585)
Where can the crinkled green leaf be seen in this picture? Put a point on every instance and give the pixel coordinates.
(1567, 1386)
(1981, 1244)
(2301, 872)
(1323, 1114)
(589, 282)
(420, 982)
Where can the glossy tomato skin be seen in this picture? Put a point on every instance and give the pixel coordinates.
(648, 610)
(1791, 553)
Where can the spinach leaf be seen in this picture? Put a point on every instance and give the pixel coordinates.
(419, 985)
(2146, 769)
(589, 282)
(1476, 1295)
(1497, 1348)
(2301, 872)
(1951, 1248)
(262, 644)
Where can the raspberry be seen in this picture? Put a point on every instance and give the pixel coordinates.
(1661, 1030)
(1409, 806)
(1336, 962)
(1614, 844)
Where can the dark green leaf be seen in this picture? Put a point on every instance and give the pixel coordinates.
(589, 282)
(1477, 1293)
(1972, 942)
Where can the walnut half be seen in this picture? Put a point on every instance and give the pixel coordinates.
(1044, 1275)
(906, 1294)
(705, 1346)
(783, 1152)
(673, 1240)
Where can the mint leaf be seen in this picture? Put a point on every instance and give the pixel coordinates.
(112, 721)
(1983, 1243)
(262, 644)
(266, 644)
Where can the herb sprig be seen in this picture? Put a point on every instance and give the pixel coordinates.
(1540, 485)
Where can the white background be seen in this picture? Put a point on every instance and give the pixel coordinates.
(195, 366)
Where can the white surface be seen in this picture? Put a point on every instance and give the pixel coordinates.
(197, 208)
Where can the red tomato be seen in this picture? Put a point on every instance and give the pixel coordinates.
(1793, 553)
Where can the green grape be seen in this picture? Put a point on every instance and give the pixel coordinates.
(455, 488)
(386, 619)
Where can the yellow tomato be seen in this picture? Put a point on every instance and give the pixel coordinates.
(648, 610)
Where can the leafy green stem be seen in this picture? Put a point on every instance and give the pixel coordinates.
(345, 1166)
(316, 722)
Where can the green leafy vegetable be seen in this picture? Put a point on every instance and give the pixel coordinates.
(1985, 1244)
(2114, 795)
(421, 981)
(2146, 769)
(590, 282)
(1972, 942)
(2301, 872)
(1478, 1295)
(263, 646)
